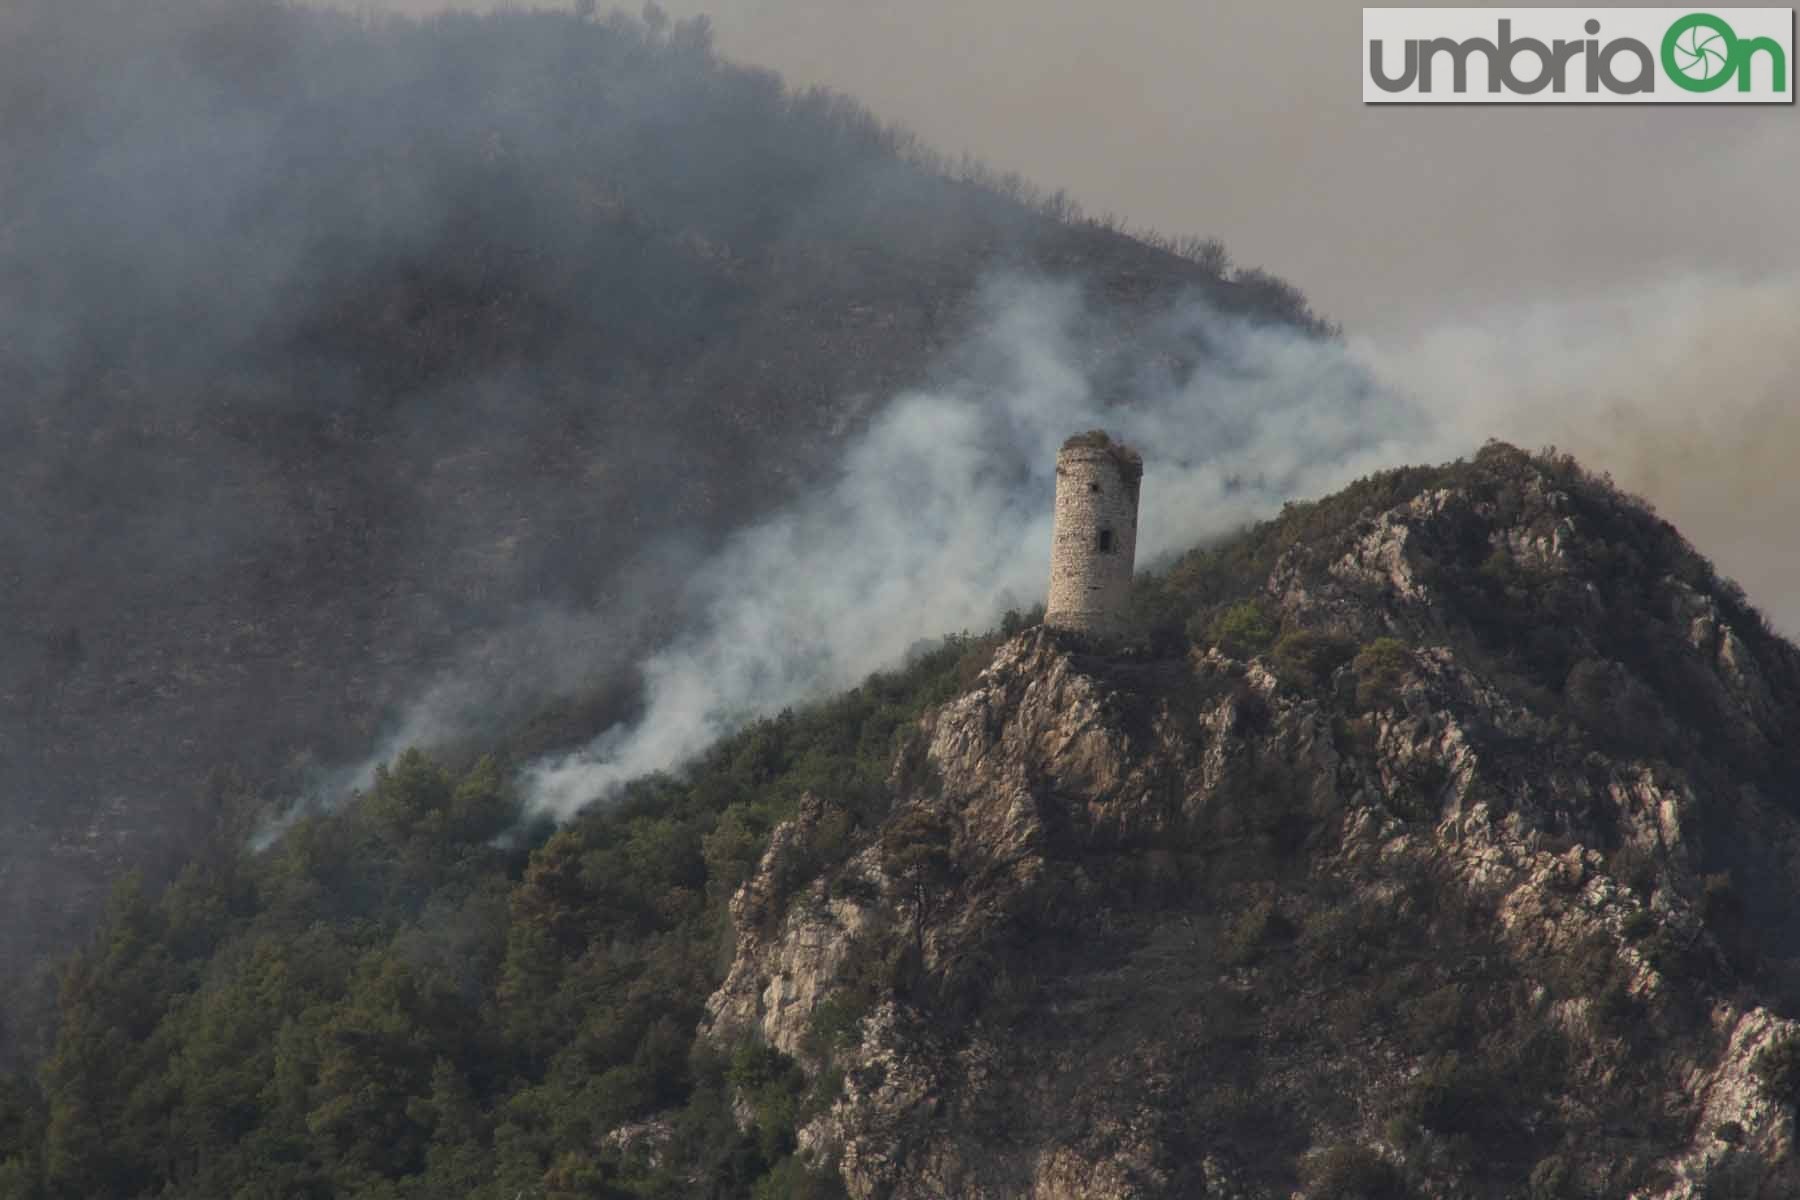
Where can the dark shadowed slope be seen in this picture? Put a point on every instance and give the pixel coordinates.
(337, 355)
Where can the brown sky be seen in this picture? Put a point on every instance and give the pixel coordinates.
(1623, 281)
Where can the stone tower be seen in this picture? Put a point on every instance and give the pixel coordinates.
(1095, 537)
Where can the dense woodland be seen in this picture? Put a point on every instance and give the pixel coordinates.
(341, 354)
(422, 995)
(418, 997)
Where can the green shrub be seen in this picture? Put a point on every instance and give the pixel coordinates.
(835, 1021)
(1634, 866)
(1449, 1097)
(1243, 630)
(1777, 1068)
(1440, 1017)
(1015, 622)
(1249, 933)
(1350, 1172)
(1417, 792)
(1500, 567)
(1381, 668)
(1226, 1110)
(730, 852)
(1308, 657)
(1551, 1179)
(793, 1180)
(772, 1084)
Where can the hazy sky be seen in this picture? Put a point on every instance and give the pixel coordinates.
(1244, 121)
(1621, 280)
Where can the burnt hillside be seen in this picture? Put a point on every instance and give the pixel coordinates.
(331, 348)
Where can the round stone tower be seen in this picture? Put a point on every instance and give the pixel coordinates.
(1095, 536)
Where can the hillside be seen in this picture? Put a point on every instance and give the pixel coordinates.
(1433, 839)
(342, 357)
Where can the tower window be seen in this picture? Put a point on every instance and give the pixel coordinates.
(1093, 487)
(1106, 541)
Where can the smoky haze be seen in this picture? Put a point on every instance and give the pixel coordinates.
(1422, 227)
(1621, 280)
(241, 239)
(939, 515)
(1245, 122)
(365, 382)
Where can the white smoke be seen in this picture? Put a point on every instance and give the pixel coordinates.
(490, 685)
(939, 517)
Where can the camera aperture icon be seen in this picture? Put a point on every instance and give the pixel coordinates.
(1703, 49)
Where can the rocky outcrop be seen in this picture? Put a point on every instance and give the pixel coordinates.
(1104, 1001)
(777, 980)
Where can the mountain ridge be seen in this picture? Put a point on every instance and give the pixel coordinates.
(352, 364)
(1590, 895)
(1327, 881)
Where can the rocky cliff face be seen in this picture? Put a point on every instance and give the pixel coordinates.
(1473, 883)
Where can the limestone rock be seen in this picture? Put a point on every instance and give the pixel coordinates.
(1070, 974)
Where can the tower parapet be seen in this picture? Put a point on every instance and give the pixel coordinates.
(1094, 540)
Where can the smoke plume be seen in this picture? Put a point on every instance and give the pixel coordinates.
(939, 517)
